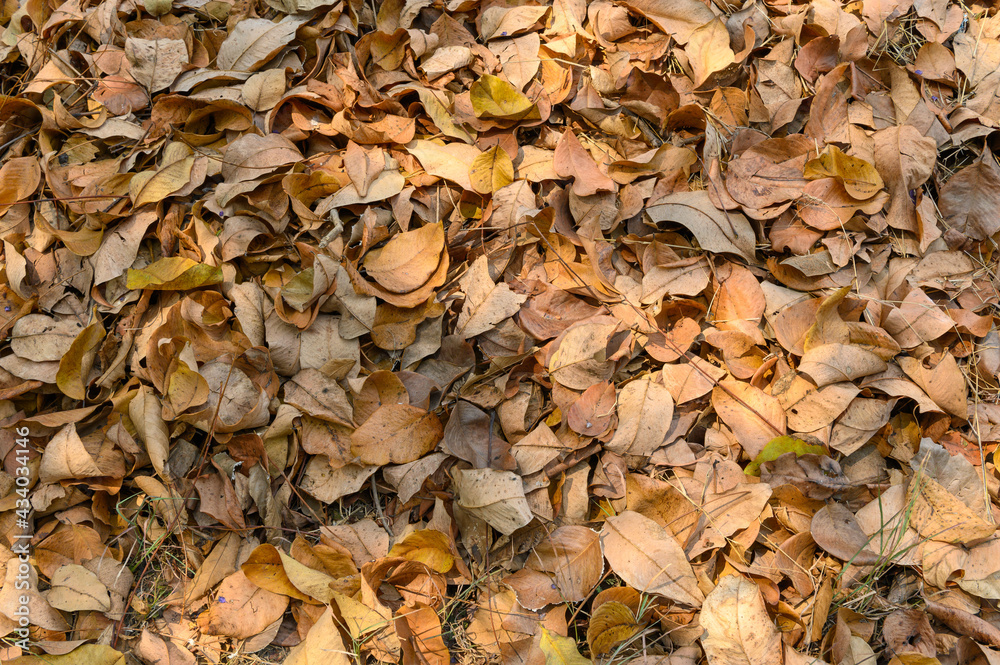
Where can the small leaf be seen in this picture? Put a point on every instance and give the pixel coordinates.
(777, 447)
(75, 365)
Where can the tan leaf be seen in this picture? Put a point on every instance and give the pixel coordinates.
(66, 458)
(421, 637)
(396, 434)
(645, 410)
(708, 50)
(738, 630)
(571, 160)
(254, 41)
(19, 178)
(262, 91)
(944, 383)
(939, 515)
(754, 416)
(363, 166)
(155, 63)
(322, 645)
(76, 589)
(649, 558)
(247, 609)
(716, 230)
(408, 260)
(486, 303)
(573, 556)
(451, 161)
(144, 411)
(905, 159)
(677, 19)
(495, 496)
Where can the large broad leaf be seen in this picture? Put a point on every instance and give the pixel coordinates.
(738, 630)
(677, 18)
(174, 273)
(716, 230)
(254, 41)
(649, 558)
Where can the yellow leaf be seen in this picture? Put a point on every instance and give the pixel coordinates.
(858, 177)
(154, 186)
(492, 97)
(427, 546)
(86, 654)
(185, 388)
(708, 50)
(491, 170)
(75, 365)
(560, 650)
(173, 273)
(777, 447)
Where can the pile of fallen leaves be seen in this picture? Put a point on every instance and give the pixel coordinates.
(466, 331)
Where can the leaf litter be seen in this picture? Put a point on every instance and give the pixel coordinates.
(458, 332)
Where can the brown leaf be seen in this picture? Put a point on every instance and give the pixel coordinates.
(571, 160)
(905, 159)
(408, 260)
(970, 196)
(754, 416)
(396, 434)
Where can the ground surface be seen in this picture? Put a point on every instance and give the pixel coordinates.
(428, 332)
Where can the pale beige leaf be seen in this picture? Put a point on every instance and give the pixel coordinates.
(708, 50)
(262, 91)
(155, 63)
(645, 410)
(76, 589)
(66, 458)
(649, 558)
(738, 630)
(495, 496)
(486, 303)
(254, 41)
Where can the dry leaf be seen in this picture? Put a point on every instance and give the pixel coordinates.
(649, 558)
(738, 630)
